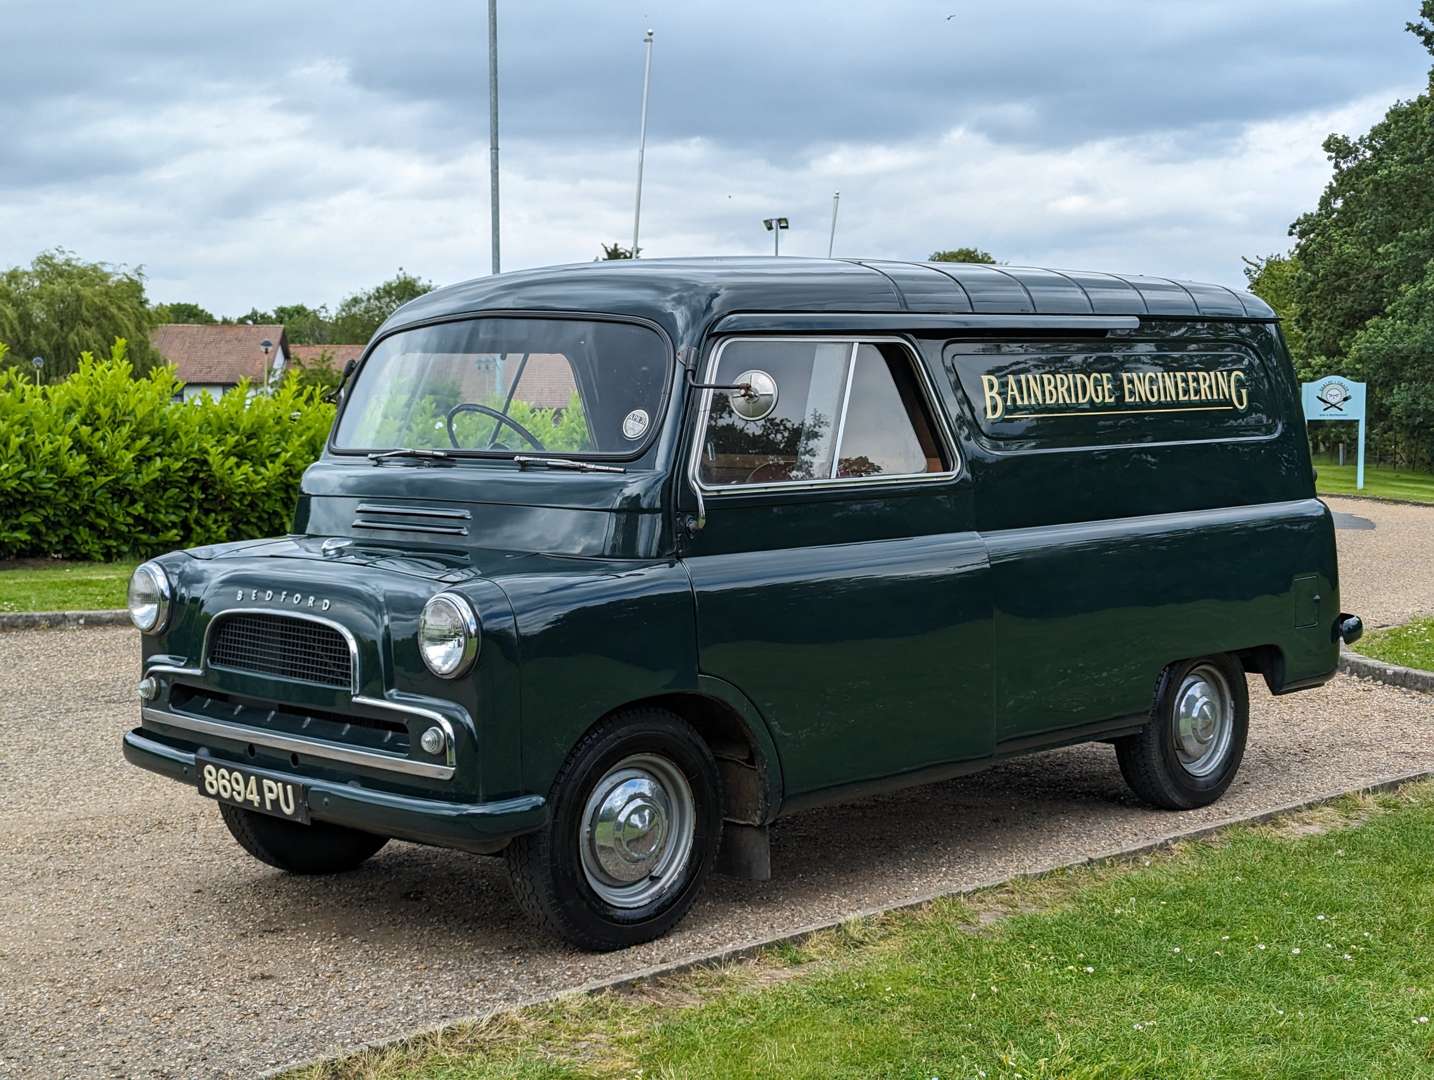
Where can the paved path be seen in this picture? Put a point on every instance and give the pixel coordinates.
(139, 941)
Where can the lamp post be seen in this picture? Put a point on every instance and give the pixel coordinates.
(493, 126)
(831, 240)
(39, 364)
(266, 345)
(642, 137)
(775, 227)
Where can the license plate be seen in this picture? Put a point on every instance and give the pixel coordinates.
(253, 791)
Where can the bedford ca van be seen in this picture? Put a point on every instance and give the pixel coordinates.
(607, 567)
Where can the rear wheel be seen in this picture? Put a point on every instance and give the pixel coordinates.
(317, 848)
(636, 820)
(1187, 754)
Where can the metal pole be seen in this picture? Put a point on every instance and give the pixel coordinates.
(493, 125)
(642, 138)
(776, 238)
(831, 240)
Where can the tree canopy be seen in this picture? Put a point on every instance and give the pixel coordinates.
(1360, 280)
(61, 306)
(963, 254)
(183, 312)
(359, 315)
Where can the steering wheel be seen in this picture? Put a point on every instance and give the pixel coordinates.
(501, 418)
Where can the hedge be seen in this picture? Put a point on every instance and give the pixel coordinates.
(105, 466)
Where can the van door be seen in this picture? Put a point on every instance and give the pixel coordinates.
(838, 581)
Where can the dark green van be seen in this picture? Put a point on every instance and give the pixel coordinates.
(607, 567)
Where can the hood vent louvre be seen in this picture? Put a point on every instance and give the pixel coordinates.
(423, 519)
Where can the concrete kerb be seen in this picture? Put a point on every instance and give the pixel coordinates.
(752, 948)
(66, 620)
(1362, 667)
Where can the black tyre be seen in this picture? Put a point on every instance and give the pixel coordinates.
(317, 848)
(636, 821)
(1187, 754)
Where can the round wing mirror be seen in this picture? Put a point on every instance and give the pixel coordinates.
(758, 400)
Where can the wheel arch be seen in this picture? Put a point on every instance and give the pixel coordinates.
(738, 738)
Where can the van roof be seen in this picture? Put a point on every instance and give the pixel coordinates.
(684, 295)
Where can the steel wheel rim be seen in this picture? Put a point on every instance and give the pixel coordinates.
(1204, 720)
(637, 831)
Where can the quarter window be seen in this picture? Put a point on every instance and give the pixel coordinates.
(818, 410)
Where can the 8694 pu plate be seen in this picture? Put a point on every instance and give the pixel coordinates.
(252, 790)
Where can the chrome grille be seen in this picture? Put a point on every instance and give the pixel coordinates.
(282, 645)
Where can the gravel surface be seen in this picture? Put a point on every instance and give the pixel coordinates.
(140, 941)
(1386, 574)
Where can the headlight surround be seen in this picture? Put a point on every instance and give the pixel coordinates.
(448, 635)
(149, 598)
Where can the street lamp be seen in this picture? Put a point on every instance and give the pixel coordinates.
(493, 129)
(642, 137)
(39, 363)
(775, 225)
(266, 345)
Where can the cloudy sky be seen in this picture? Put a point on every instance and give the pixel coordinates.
(261, 153)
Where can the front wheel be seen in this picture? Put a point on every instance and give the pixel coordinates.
(1187, 754)
(636, 820)
(317, 848)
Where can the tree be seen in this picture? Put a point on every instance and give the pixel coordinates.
(963, 255)
(1372, 234)
(615, 250)
(1394, 354)
(360, 314)
(305, 325)
(320, 372)
(61, 306)
(1275, 280)
(183, 312)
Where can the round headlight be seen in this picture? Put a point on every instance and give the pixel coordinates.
(149, 595)
(448, 635)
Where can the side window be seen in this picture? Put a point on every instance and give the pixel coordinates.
(819, 410)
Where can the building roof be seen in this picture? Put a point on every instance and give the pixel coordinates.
(338, 355)
(217, 355)
(683, 294)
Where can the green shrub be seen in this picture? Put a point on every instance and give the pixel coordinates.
(102, 465)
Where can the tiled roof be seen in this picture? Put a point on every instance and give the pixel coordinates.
(338, 355)
(217, 355)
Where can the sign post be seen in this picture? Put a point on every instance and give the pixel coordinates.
(1336, 398)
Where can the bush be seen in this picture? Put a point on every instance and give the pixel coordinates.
(104, 466)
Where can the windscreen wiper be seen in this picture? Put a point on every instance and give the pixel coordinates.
(405, 451)
(574, 464)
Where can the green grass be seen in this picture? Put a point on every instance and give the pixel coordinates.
(1410, 645)
(1295, 950)
(63, 586)
(1379, 482)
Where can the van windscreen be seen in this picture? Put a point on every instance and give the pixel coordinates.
(506, 385)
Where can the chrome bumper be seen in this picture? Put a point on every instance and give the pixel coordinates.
(316, 748)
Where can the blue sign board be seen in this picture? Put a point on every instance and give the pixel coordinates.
(1336, 398)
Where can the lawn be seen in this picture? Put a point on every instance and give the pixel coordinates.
(1379, 482)
(1304, 948)
(1410, 645)
(36, 585)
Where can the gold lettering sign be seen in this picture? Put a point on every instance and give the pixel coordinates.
(1032, 396)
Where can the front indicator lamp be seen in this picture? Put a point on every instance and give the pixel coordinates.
(149, 598)
(448, 635)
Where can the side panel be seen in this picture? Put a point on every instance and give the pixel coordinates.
(592, 638)
(1126, 534)
(868, 655)
(1088, 613)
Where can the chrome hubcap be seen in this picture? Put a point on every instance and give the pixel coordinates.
(1204, 720)
(638, 827)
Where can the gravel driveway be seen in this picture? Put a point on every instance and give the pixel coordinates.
(139, 941)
